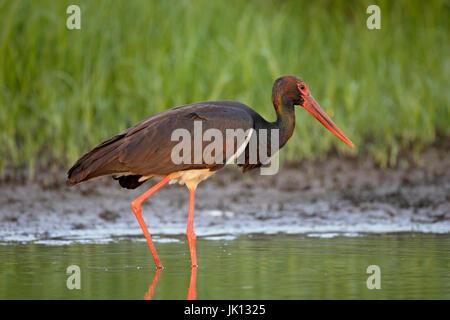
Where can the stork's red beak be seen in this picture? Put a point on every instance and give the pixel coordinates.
(313, 107)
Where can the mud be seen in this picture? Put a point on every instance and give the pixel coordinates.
(325, 198)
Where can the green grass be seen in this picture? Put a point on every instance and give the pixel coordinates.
(62, 92)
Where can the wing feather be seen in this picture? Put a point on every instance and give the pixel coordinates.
(145, 149)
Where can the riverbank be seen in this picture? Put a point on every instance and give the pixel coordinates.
(324, 198)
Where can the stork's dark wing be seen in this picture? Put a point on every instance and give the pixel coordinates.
(146, 149)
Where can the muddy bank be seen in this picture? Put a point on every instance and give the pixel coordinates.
(325, 198)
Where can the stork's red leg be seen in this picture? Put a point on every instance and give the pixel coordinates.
(192, 290)
(136, 206)
(191, 236)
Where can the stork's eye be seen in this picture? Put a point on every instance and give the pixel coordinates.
(302, 88)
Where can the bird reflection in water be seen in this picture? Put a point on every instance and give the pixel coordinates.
(151, 290)
(192, 290)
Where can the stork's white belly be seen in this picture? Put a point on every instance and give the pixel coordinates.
(191, 178)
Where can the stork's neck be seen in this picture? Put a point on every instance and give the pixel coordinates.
(284, 107)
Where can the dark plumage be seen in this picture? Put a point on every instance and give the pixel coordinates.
(130, 181)
(145, 149)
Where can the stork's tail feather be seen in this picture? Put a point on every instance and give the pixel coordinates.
(100, 161)
(130, 182)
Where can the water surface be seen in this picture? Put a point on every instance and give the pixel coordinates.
(324, 266)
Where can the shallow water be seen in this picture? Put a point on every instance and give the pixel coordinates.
(413, 266)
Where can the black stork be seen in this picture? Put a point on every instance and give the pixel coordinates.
(144, 151)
